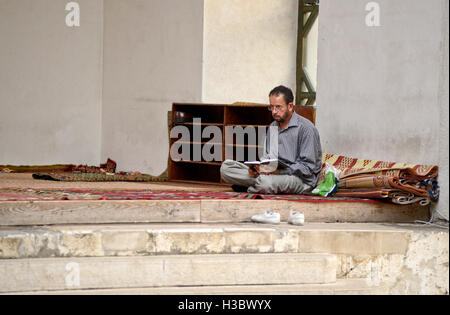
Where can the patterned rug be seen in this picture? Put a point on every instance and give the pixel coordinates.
(400, 183)
(73, 194)
(361, 180)
(355, 166)
(106, 172)
(99, 177)
(36, 168)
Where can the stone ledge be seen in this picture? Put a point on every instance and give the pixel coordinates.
(46, 274)
(341, 287)
(165, 239)
(206, 211)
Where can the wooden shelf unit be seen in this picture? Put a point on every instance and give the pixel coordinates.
(221, 116)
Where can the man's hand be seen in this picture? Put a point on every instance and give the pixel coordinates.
(268, 170)
(253, 170)
(276, 172)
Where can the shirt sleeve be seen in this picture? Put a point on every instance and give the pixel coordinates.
(306, 162)
(271, 147)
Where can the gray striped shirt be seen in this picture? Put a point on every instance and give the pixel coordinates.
(298, 147)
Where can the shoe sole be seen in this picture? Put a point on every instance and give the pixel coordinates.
(296, 221)
(267, 222)
(298, 224)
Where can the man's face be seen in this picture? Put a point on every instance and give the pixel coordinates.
(280, 110)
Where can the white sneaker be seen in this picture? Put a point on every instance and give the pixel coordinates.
(296, 218)
(269, 216)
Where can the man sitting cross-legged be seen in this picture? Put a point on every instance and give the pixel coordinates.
(298, 147)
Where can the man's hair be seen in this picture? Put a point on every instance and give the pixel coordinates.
(286, 92)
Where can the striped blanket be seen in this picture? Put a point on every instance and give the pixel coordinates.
(401, 183)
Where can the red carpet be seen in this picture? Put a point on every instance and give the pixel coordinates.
(74, 194)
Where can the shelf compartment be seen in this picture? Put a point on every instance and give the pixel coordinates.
(244, 145)
(191, 134)
(247, 125)
(208, 113)
(200, 162)
(201, 124)
(198, 146)
(248, 115)
(198, 171)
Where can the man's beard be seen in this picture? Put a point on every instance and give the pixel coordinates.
(281, 119)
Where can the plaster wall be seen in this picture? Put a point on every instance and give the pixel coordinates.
(249, 47)
(383, 90)
(153, 57)
(50, 82)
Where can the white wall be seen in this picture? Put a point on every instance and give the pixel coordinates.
(249, 47)
(153, 57)
(50, 83)
(381, 90)
(442, 210)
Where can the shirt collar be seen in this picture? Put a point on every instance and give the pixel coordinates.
(292, 123)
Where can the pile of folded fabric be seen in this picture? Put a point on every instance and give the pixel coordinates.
(104, 173)
(108, 167)
(5, 170)
(400, 183)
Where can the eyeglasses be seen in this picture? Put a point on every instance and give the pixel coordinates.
(274, 107)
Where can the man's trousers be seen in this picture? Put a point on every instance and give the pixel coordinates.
(236, 173)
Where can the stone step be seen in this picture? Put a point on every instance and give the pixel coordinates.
(393, 254)
(47, 274)
(340, 287)
(204, 211)
(195, 238)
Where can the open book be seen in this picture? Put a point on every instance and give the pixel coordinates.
(281, 165)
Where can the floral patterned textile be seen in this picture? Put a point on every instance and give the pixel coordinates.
(401, 183)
